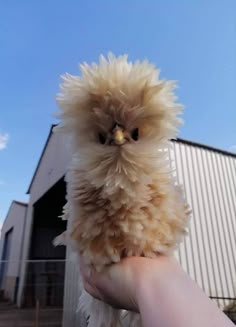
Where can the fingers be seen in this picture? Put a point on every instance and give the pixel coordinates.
(115, 285)
(88, 280)
(92, 290)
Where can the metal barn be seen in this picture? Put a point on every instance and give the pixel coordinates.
(208, 252)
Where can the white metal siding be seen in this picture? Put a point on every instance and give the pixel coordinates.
(71, 318)
(52, 166)
(208, 253)
(15, 220)
(25, 250)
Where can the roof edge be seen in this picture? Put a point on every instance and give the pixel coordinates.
(25, 204)
(204, 146)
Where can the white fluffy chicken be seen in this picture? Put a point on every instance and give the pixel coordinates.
(122, 199)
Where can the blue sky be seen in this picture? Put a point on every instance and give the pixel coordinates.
(193, 42)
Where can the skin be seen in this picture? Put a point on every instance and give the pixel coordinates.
(158, 289)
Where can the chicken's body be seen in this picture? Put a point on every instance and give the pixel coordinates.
(143, 220)
(122, 198)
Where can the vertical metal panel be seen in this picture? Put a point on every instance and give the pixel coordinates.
(172, 167)
(208, 253)
(15, 222)
(206, 224)
(71, 316)
(182, 250)
(71, 295)
(25, 251)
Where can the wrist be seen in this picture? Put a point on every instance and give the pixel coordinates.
(153, 279)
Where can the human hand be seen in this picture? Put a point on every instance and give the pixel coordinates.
(121, 284)
(154, 288)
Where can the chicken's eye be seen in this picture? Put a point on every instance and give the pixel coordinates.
(102, 138)
(135, 134)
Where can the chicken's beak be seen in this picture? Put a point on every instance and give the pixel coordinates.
(118, 136)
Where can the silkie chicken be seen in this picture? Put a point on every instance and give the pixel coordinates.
(122, 197)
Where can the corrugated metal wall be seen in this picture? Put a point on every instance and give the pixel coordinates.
(208, 253)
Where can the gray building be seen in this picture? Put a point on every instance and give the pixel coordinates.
(11, 243)
(208, 252)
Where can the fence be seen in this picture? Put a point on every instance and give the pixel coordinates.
(41, 302)
(72, 319)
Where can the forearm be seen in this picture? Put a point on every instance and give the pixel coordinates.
(176, 301)
(159, 290)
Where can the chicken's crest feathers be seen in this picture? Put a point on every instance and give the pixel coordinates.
(116, 88)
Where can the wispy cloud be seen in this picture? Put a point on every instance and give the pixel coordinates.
(233, 148)
(4, 138)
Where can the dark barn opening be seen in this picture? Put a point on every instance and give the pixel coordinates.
(46, 266)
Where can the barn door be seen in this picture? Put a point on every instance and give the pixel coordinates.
(5, 257)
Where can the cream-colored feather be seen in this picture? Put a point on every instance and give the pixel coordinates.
(122, 199)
